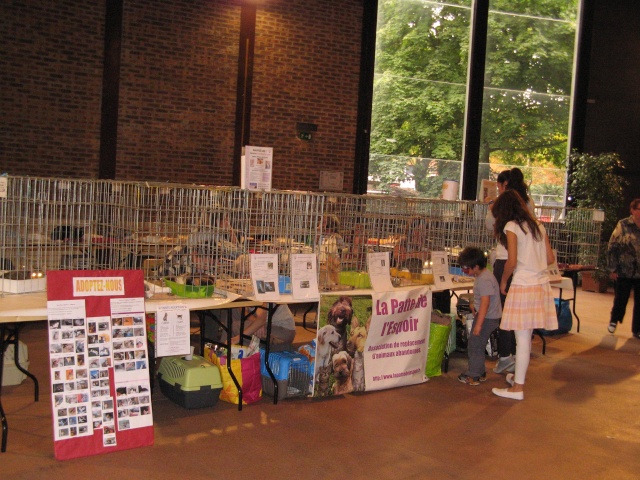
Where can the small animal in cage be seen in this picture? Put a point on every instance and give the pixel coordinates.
(356, 256)
(330, 247)
(411, 249)
(175, 263)
(328, 339)
(342, 365)
(340, 315)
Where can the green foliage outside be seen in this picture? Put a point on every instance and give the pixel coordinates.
(596, 181)
(420, 91)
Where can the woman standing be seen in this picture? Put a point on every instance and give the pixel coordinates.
(624, 264)
(529, 304)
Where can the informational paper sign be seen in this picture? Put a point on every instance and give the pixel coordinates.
(553, 270)
(256, 169)
(441, 275)
(304, 276)
(172, 330)
(331, 181)
(3, 186)
(379, 272)
(264, 276)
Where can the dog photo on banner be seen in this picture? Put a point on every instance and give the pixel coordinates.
(371, 343)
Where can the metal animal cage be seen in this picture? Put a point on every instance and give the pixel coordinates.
(574, 233)
(207, 233)
(283, 223)
(44, 226)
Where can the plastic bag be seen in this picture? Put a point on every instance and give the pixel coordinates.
(246, 371)
(438, 339)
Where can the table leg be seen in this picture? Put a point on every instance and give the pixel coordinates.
(271, 310)
(5, 425)
(574, 280)
(16, 359)
(229, 334)
(10, 335)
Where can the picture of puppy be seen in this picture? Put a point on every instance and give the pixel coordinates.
(340, 315)
(342, 364)
(328, 340)
(355, 347)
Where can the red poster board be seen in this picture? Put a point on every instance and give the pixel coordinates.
(100, 388)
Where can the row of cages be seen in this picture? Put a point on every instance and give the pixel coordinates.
(204, 235)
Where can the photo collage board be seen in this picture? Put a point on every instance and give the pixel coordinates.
(100, 382)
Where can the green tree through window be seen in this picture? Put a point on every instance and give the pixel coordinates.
(420, 85)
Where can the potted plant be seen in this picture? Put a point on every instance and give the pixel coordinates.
(596, 182)
(597, 280)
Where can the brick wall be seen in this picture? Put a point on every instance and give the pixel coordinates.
(50, 87)
(307, 70)
(178, 88)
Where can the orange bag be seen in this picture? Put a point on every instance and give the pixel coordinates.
(246, 371)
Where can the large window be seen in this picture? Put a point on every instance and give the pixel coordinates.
(420, 86)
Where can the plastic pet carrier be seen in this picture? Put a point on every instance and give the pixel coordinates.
(194, 383)
(291, 370)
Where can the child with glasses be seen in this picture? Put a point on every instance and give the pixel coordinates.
(486, 309)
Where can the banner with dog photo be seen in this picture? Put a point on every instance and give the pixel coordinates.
(371, 343)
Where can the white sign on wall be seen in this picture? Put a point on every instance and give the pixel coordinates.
(256, 168)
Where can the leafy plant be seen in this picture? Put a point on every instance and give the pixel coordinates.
(595, 181)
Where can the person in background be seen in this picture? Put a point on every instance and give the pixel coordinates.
(623, 255)
(486, 309)
(507, 180)
(529, 304)
(283, 327)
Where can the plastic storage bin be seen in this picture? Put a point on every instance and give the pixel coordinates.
(291, 370)
(194, 383)
(11, 375)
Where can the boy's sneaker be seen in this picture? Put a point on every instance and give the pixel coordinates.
(505, 364)
(612, 327)
(473, 381)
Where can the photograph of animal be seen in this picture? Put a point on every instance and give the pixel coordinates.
(342, 364)
(340, 315)
(322, 381)
(328, 340)
(355, 347)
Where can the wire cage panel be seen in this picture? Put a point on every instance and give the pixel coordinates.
(575, 233)
(45, 226)
(282, 223)
(206, 234)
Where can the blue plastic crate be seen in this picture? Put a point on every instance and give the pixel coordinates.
(281, 363)
(291, 370)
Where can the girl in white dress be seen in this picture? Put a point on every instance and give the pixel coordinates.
(529, 303)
